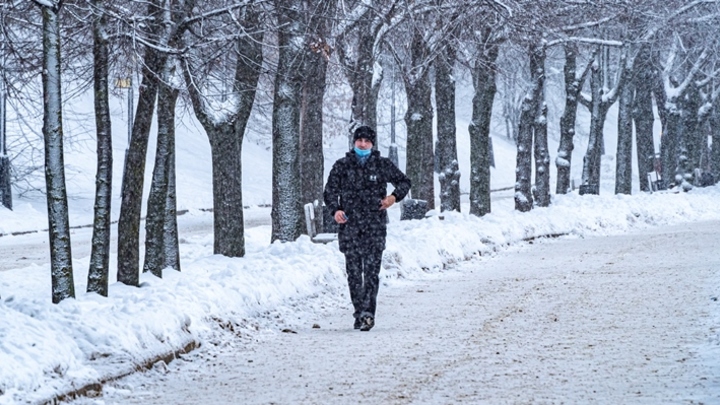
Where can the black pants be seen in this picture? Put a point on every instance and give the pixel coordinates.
(363, 269)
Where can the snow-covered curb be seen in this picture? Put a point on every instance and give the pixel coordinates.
(47, 350)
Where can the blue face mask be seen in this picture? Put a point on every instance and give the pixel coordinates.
(362, 152)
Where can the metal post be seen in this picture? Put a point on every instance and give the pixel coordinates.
(126, 83)
(131, 108)
(393, 151)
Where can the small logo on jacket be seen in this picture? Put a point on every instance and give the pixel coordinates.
(373, 177)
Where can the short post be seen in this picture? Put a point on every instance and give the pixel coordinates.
(126, 83)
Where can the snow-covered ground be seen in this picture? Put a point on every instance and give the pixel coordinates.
(600, 320)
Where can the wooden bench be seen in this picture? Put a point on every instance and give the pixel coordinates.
(312, 229)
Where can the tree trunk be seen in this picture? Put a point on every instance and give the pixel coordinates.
(5, 184)
(530, 117)
(591, 160)
(686, 124)
(484, 74)
(563, 162)
(715, 134)
(669, 144)
(287, 209)
(523, 165)
(134, 172)
(446, 131)
(171, 236)
(419, 123)
(63, 285)
(644, 120)
(98, 272)
(312, 160)
(623, 158)
(695, 140)
(157, 209)
(228, 216)
(541, 150)
(226, 137)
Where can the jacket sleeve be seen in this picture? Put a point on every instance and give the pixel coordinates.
(331, 194)
(398, 179)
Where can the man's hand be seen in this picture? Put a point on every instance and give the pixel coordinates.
(340, 217)
(387, 202)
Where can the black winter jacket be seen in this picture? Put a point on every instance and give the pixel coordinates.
(357, 189)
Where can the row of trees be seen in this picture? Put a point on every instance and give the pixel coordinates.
(222, 56)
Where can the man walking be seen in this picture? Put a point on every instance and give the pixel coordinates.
(356, 195)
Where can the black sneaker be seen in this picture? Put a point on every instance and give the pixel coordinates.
(367, 323)
(358, 323)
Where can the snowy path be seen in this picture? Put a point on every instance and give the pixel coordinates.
(610, 320)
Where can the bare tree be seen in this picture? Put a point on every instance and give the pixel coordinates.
(623, 157)
(287, 211)
(100, 255)
(5, 184)
(484, 72)
(59, 225)
(134, 173)
(573, 85)
(446, 147)
(160, 251)
(315, 67)
(673, 149)
(599, 103)
(358, 39)
(533, 104)
(240, 35)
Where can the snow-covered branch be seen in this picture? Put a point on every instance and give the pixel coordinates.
(673, 92)
(55, 5)
(584, 25)
(351, 19)
(585, 40)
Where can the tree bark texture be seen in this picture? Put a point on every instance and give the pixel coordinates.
(573, 85)
(5, 183)
(287, 209)
(526, 128)
(644, 118)
(98, 272)
(540, 144)
(715, 134)
(623, 157)
(134, 172)
(171, 236)
(523, 164)
(484, 75)
(226, 138)
(599, 107)
(419, 123)
(157, 209)
(669, 145)
(446, 131)
(312, 160)
(63, 285)
(694, 139)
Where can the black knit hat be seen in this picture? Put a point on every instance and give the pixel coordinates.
(365, 132)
